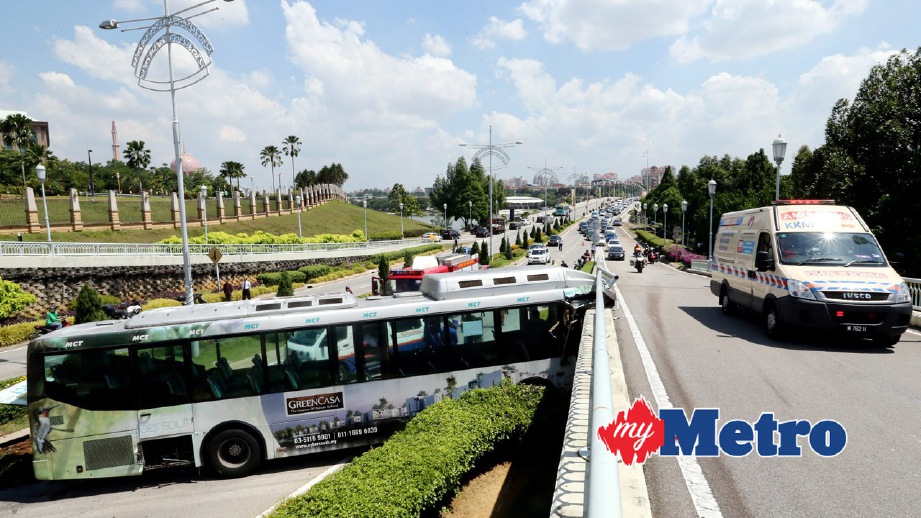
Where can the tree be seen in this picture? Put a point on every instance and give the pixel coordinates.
(332, 174)
(399, 195)
(88, 307)
(306, 178)
(484, 253)
(233, 170)
(383, 271)
(13, 299)
(271, 155)
(137, 157)
(17, 131)
(285, 287)
(292, 147)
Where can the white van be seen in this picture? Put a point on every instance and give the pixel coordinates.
(809, 264)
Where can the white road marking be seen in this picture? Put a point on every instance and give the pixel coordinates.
(306, 487)
(701, 495)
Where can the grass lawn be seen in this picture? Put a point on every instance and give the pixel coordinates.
(333, 218)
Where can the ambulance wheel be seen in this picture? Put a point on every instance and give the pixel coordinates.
(728, 306)
(233, 453)
(772, 325)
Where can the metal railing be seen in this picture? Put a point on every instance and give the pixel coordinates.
(15, 248)
(603, 478)
(914, 287)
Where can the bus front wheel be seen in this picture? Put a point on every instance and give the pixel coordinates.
(233, 453)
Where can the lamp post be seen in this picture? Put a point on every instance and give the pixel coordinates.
(684, 241)
(711, 188)
(364, 203)
(545, 174)
(665, 225)
(297, 199)
(655, 217)
(492, 150)
(146, 50)
(780, 149)
(204, 211)
(469, 213)
(89, 165)
(118, 178)
(401, 220)
(40, 172)
(645, 217)
(446, 216)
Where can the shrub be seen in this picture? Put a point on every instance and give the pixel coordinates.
(315, 270)
(88, 307)
(285, 289)
(383, 271)
(408, 258)
(17, 333)
(160, 303)
(274, 278)
(385, 236)
(13, 299)
(484, 254)
(419, 466)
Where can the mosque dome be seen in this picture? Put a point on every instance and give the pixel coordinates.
(190, 164)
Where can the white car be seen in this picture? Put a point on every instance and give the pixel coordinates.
(539, 256)
(432, 236)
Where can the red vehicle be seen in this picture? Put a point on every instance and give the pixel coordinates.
(410, 279)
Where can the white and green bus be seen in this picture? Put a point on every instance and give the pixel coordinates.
(228, 385)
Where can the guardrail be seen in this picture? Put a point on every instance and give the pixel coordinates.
(15, 248)
(914, 287)
(603, 478)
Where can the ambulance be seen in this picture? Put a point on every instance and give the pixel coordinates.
(808, 265)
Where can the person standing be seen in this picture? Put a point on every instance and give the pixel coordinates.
(246, 287)
(228, 291)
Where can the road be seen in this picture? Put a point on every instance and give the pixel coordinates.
(708, 360)
(12, 362)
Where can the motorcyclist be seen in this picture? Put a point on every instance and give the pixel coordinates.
(563, 264)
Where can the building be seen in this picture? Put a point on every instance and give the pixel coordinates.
(39, 128)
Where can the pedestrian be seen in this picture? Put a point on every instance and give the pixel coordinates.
(228, 290)
(246, 287)
(561, 245)
(455, 243)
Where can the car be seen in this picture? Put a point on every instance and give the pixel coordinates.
(450, 234)
(600, 241)
(538, 255)
(618, 222)
(537, 245)
(431, 236)
(555, 240)
(616, 252)
(481, 232)
(515, 225)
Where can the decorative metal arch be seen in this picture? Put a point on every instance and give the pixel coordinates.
(494, 151)
(545, 177)
(143, 56)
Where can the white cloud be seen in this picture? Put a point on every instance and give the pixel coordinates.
(738, 29)
(6, 77)
(436, 46)
(498, 29)
(611, 24)
(229, 133)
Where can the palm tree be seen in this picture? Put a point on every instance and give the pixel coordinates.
(138, 157)
(292, 147)
(17, 131)
(271, 155)
(231, 170)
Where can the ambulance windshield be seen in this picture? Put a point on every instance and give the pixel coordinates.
(832, 248)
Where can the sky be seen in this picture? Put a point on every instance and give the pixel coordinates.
(390, 89)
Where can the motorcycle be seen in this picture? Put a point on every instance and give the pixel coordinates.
(638, 261)
(119, 311)
(44, 330)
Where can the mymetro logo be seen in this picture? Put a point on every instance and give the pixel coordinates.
(638, 432)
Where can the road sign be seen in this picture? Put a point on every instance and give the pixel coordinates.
(215, 255)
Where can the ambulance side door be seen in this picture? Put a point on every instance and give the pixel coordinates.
(761, 281)
(745, 264)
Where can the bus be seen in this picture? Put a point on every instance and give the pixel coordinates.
(562, 210)
(229, 385)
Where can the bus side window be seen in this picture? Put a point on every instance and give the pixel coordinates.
(375, 341)
(473, 338)
(346, 366)
(512, 345)
(228, 363)
(93, 379)
(542, 330)
(161, 376)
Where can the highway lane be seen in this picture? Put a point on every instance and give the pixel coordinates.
(708, 360)
(12, 362)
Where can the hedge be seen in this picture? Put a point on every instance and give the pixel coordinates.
(273, 278)
(417, 468)
(17, 333)
(315, 270)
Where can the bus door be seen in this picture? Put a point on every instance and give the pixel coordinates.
(164, 405)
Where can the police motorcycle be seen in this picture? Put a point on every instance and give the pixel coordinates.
(638, 261)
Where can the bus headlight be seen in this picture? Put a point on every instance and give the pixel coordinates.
(800, 290)
(903, 295)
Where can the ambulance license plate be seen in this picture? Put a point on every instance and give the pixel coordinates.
(857, 329)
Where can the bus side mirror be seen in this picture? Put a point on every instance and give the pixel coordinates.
(764, 261)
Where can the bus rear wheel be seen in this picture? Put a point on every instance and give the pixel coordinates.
(233, 453)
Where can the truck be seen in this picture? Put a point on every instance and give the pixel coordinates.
(809, 265)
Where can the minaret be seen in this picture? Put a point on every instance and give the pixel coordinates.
(115, 150)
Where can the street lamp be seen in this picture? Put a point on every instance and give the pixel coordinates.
(204, 212)
(446, 216)
(545, 174)
(780, 149)
(645, 217)
(492, 150)
(364, 203)
(118, 178)
(401, 220)
(469, 213)
(655, 217)
(89, 165)
(711, 188)
(684, 241)
(297, 199)
(665, 225)
(40, 172)
(144, 53)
